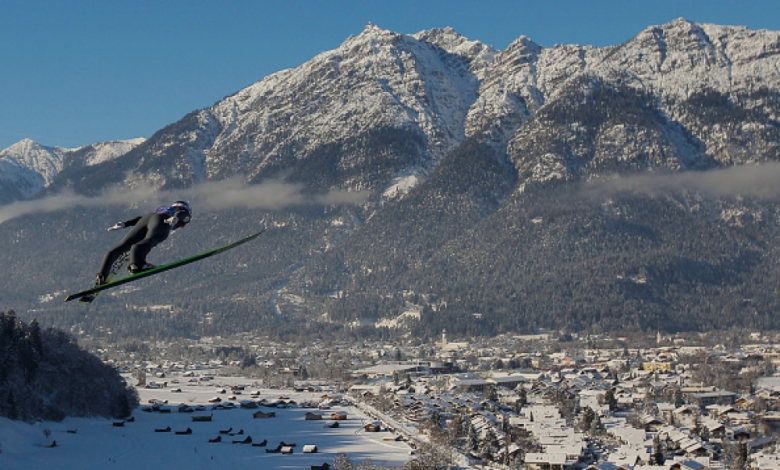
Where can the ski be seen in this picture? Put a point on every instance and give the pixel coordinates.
(159, 269)
(119, 266)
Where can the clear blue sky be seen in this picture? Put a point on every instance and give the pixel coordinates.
(76, 72)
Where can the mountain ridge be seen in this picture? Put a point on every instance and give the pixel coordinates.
(496, 93)
(477, 164)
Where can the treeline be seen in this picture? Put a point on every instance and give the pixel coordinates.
(483, 261)
(44, 374)
(556, 259)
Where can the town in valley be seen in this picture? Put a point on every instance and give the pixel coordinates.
(548, 401)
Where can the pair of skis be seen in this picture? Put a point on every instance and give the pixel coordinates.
(151, 272)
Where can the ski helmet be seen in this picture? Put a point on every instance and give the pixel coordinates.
(184, 206)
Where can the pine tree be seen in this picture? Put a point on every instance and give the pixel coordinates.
(610, 400)
(678, 398)
(658, 451)
(587, 418)
(595, 426)
(342, 462)
(435, 419)
(11, 409)
(489, 445)
(472, 443)
(523, 396)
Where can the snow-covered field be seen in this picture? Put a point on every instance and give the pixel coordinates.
(97, 443)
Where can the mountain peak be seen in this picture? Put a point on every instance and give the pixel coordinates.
(28, 167)
(525, 44)
(681, 23)
(374, 30)
(24, 145)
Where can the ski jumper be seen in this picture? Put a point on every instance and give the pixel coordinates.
(148, 231)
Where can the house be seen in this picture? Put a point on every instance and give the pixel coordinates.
(312, 416)
(658, 365)
(376, 426)
(762, 461)
(263, 414)
(695, 448)
(665, 411)
(607, 466)
(651, 423)
(545, 461)
(715, 428)
(688, 464)
(729, 413)
(509, 382)
(364, 390)
(470, 385)
(309, 449)
(686, 414)
(339, 416)
(571, 361)
(741, 434)
(745, 403)
(717, 397)
(771, 420)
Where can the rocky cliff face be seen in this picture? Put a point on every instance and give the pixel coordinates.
(709, 91)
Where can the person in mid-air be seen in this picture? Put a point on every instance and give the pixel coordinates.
(147, 232)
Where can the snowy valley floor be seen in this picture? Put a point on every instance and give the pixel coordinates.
(99, 444)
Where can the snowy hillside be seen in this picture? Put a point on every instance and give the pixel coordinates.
(99, 443)
(106, 151)
(374, 80)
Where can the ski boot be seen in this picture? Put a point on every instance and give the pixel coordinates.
(135, 269)
(99, 281)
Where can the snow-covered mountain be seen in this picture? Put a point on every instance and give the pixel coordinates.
(455, 141)
(26, 167)
(439, 88)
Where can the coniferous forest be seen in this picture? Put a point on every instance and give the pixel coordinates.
(44, 374)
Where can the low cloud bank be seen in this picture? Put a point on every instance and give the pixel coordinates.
(217, 195)
(760, 181)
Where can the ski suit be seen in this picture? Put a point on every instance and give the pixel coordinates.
(147, 232)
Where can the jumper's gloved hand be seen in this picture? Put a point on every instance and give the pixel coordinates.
(172, 221)
(117, 226)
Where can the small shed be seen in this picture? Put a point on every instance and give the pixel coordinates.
(376, 426)
(309, 449)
